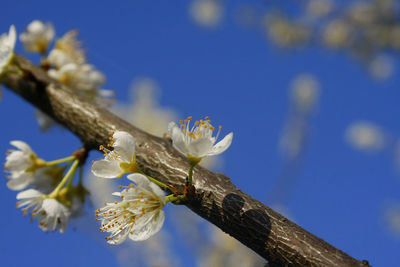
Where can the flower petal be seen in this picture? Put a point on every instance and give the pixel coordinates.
(158, 192)
(200, 147)
(12, 37)
(17, 161)
(140, 180)
(22, 146)
(107, 169)
(147, 225)
(20, 182)
(124, 145)
(57, 215)
(30, 193)
(222, 145)
(7, 43)
(120, 236)
(178, 138)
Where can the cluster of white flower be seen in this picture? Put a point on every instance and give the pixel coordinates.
(139, 214)
(51, 207)
(52, 198)
(66, 62)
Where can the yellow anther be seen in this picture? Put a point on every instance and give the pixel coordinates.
(196, 123)
(207, 118)
(189, 118)
(181, 121)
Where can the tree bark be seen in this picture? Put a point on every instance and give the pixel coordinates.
(275, 238)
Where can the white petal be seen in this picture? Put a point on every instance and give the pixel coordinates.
(140, 180)
(30, 193)
(117, 194)
(200, 147)
(178, 138)
(12, 37)
(20, 182)
(222, 145)
(57, 215)
(120, 237)
(124, 145)
(107, 168)
(54, 208)
(158, 191)
(171, 126)
(147, 225)
(18, 161)
(22, 146)
(7, 43)
(59, 58)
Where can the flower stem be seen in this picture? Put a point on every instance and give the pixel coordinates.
(70, 173)
(58, 161)
(72, 177)
(13, 71)
(160, 184)
(80, 175)
(175, 199)
(190, 176)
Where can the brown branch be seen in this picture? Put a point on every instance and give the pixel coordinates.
(268, 233)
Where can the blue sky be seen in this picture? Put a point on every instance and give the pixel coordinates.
(235, 76)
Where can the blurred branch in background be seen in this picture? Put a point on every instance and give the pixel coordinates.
(304, 96)
(368, 137)
(368, 30)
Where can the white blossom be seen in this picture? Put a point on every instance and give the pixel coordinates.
(37, 36)
(120, 160)
(85, 80)
(7, 43)
(67, 50)
(78, 77)
(206, 13)
(197, 142)
(51, 214)
(138, 216)
(21, 164)
(366, 136)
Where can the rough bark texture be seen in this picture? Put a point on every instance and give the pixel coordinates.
(275, 238)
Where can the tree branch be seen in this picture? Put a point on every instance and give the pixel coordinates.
(272, 236)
